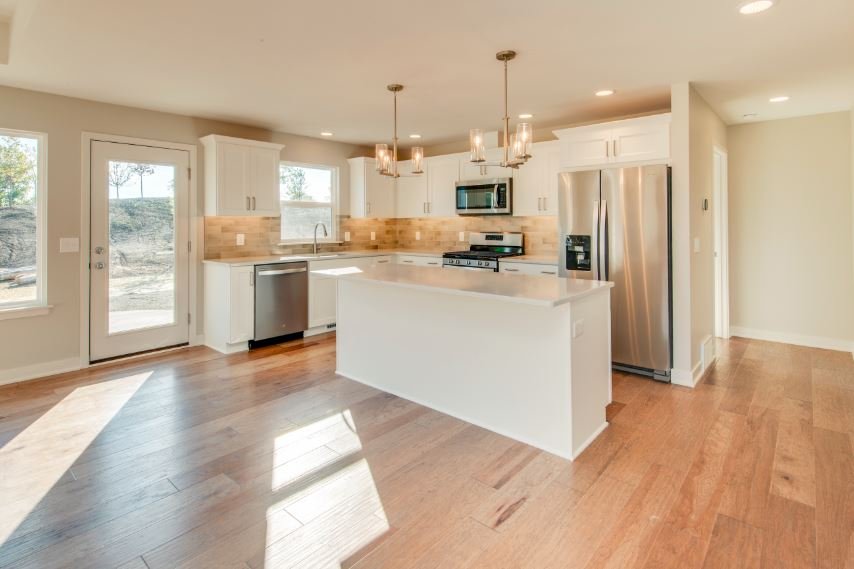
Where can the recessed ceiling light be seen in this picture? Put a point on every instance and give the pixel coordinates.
(750, 116)
(526, 116)
(325, 134)
(780, 99)
(754, 6)
(414, 136)
(605, 93)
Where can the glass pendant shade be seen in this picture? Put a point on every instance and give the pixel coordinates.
(417, 160)
(522, 143)
(477, 151)
(381, 154)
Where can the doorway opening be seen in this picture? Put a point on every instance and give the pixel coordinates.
(720, 220)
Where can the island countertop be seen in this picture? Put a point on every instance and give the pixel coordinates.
(526, 289)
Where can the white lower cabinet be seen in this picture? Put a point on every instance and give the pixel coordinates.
(527, 269)
(323, 290)
(229, 307)
(419, 260)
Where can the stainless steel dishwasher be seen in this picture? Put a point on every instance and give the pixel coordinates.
(281, 299)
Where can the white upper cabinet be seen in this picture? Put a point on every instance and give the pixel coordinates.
(443, 172)
(412, 191)
(630, 141)
(470, 172)
(535, 182)
(371, 194)
(241, 176)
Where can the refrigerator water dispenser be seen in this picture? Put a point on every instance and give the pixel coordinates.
(578, 253)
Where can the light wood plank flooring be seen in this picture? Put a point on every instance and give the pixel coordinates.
(267, 459)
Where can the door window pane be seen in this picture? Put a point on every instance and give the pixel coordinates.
(142, 246)
(19, 223)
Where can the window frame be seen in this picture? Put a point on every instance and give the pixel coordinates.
(333, 231)
(38, 305)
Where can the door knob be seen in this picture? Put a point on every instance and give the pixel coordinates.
(99, 265)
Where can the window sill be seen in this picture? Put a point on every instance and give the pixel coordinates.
(24, 311)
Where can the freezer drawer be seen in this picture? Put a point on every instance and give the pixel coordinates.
(281, 299)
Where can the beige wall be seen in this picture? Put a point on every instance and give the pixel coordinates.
(37, 340)
(707, 132)
(791, 249)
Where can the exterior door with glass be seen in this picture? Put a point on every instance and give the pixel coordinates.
(139, 257)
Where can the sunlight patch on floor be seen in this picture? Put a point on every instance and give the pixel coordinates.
(326, 520)
(35, 460)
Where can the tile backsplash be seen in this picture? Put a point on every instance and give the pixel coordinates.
(261, 234)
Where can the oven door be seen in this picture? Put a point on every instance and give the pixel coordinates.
(485, 197)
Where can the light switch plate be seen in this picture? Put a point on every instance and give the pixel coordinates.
(696, 244)
(418, 236)
(69, 245)
(373, 235)
(462, 235)
(241, 239)
(346, 236)
(577, 328)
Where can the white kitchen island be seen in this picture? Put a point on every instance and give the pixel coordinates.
(528, 357)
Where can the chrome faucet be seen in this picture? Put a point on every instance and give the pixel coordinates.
(325, 234)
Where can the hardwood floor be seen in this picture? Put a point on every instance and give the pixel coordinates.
(267, 459)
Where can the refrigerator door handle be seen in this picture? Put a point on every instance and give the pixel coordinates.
(594, 247)
(602, 253)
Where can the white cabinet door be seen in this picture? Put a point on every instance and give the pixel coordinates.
(412, 193)
(587, 146)
(443, 172)
(471, 172)
(641, 141)
(241, 304)
(549, 154)
(380, 194)
(322, 300)
(232, 179)
(265, 182)
(528, 186)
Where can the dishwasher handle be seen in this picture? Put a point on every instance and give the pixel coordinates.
(271, 273)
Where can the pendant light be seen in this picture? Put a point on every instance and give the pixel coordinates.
(517, 150)
(386, 157)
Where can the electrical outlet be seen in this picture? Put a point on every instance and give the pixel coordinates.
(696, 244)
(462, 235)
(373, 235)
(346, 236)
(418, 236)
(241, 239)
(577, 328)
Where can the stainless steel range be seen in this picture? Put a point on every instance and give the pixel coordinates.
(485, 250)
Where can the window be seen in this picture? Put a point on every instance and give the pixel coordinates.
(308, 196)
(23, 205)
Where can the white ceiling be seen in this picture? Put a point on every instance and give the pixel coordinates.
(304, 67)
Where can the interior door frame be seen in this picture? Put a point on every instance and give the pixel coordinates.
(720, 231)
(195, 229)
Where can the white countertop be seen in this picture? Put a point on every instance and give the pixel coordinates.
(327, 256)
(527, 289)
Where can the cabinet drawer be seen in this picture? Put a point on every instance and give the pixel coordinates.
(419, 261)
(528, 269)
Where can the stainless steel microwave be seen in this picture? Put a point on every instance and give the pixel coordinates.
(485, 197)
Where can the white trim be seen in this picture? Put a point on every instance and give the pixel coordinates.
(39, 370)
(583, 446)
(195, 229)
(24, 311)
(41, 216)
(721, 227)
(686, 378)
(796, 339)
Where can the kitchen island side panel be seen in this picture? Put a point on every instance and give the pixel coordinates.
(502, 365)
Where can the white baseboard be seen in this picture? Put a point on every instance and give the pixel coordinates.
(198, 340)
(316, 331)
(35, 371)
(796, 339)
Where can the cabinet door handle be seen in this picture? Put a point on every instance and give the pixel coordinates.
(545, 207)
(509, 270)
(429, 207)
(383, 261)
(405, 261)
(615, 148)
(253, 203)
(432, 262)
(247, 203)
(607, 149)
(252, 278)
(549, 272)
(424, 207)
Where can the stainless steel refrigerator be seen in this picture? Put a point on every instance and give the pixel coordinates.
(615, 226)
